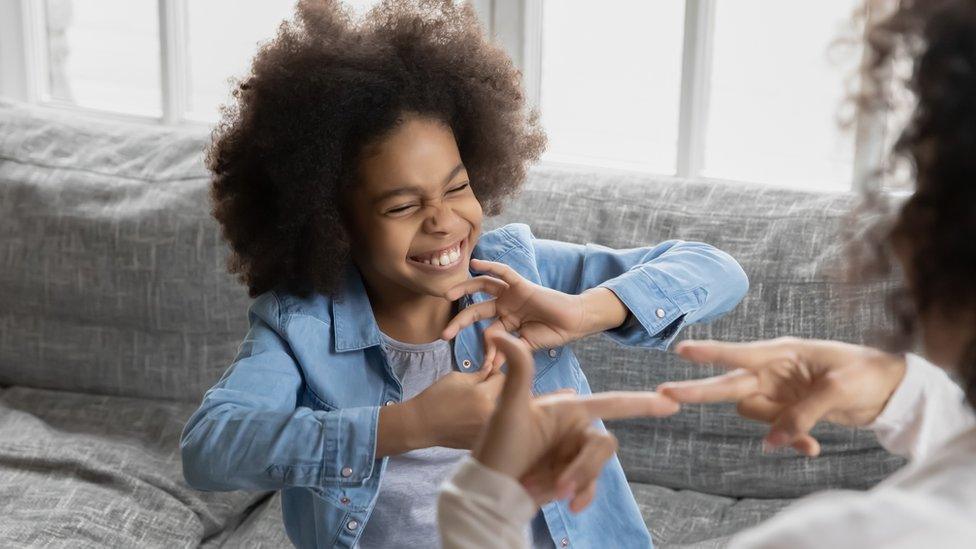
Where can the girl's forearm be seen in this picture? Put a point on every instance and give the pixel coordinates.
(399, 430)
(602, 310)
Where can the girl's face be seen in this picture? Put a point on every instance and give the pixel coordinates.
(414, 216)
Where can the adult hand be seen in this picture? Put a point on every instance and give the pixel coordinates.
(550, 443)
(793, 384)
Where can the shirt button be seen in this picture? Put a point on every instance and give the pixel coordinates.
(564, 542)
(466, 364)
(344, 500)
(346, 472)
(389, 403)
(659, 313)
(553, 353)
(352, 525)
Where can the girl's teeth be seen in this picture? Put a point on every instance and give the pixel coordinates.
(444, 259)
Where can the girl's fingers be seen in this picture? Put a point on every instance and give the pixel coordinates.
(467, 317)
(731, 387)
(517, 391)
(492, 358)
(486, 284)
(499, 270)
(628, 404)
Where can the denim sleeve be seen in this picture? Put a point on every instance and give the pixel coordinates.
(665, 287)
(249, 433)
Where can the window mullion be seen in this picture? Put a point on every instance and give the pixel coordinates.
(532, 50)
(173, 59)
(870, 133)
(696, 68)
(517, 27)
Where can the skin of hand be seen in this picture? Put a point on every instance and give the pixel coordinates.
(792, 384)
(543, 317)
(435, 410)
(549, 443)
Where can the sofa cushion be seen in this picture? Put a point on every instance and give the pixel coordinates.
(98, 471)
(689, 519)
(787, 242)
(112, 277)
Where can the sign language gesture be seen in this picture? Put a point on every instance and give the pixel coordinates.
(543, 317)
(793, 384)
(550, 443)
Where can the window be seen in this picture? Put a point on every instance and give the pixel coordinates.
(171, 60)
(744, 90)
(747, 90)
(610, 82)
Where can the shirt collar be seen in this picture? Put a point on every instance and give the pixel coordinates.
(353, 324)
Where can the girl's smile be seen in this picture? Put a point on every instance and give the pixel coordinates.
(441, 260)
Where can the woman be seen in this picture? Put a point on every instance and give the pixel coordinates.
(912, 405)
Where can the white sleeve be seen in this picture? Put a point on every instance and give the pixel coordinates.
(925, 411)
(842, 519)
(479, 507)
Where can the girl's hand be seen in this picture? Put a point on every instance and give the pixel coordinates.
(793, 384)
(455, 409)
(549, 443)
(543, 317)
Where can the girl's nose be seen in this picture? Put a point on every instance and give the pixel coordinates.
(439, 219)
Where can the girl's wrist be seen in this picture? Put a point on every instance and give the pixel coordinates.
(602, 311)
(401, 430)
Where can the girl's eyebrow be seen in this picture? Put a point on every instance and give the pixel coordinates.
(416, 189)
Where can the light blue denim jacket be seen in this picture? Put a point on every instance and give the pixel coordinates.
(297, 410)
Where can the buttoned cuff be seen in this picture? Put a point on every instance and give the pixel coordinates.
(351, 455)
(657, 316)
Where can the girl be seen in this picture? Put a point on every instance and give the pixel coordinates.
(351, 179)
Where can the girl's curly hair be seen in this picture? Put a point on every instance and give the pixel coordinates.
(286, 150)
(937, 223)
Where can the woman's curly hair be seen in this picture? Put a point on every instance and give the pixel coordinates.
(936, 225)
(286, 151)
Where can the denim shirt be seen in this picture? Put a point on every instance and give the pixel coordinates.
(297, 410)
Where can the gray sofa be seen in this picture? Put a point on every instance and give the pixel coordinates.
(116, 315)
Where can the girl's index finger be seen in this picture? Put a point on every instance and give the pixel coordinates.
(486, 284)
(500, 270)
(467, 317)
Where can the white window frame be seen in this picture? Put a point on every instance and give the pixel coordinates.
(514, 24)
(517, 25)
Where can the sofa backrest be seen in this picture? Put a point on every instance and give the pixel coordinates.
(112, 275)
(112, 281)
(786, 241)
